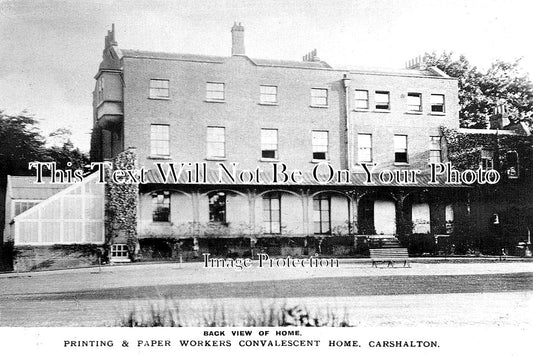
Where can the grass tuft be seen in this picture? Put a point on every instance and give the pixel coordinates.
(169, 315)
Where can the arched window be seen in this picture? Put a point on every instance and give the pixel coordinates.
(161, 206)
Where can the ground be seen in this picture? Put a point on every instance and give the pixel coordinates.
(437, 294)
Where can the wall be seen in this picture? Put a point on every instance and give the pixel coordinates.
(189, 114)
(383, 125)
(54, 257)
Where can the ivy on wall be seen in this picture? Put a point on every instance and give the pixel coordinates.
(121, 205)
(464, 149)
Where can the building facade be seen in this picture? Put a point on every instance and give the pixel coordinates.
(255, 113)
(355, 145)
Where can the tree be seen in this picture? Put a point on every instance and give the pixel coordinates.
(67, 154)
(20, 142)
(481, 92)
(64, 152)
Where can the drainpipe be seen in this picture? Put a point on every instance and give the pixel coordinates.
(346, 82)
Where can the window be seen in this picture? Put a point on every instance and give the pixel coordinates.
(487, 159)
(319, 97)
(320, 145)
(119, 251)
(437, 103)
(382, 100)
(435, 155)
(269, 143)
(361, 99)
(321, 214)
(400, 148)
(268, 94)
(214, 91)
(414, 102)
(513, 168)
(272, 213)
(22, 206)
(161, 206)
(100, 90)
(217, 207)
(159, 89)
(216, 144)
(364, 145)
(159, 140)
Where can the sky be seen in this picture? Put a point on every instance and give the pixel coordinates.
(50, 49)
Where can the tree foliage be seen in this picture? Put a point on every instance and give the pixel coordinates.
(480, 92)
(21, 142)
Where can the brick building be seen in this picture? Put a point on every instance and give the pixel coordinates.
(167, 108)
(255, 112)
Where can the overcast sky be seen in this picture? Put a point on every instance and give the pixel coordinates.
(50, 49)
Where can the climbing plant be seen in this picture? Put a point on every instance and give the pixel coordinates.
(121, 204)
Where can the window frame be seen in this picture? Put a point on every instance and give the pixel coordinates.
(209, 142)
(218, 209)
(315, 146)
(214, 98)
(14, 202)
(366, 101)
(313, 97)
(153, 140)
(268, 198)
(319, 198)
(378, 103)
(417, 108)
(360, 148)
(396, 152)
(161, 208)
(100, 86)
(264, 144)
(120, 253)
(153, 90)
(262, 95)
(443, 105)
(484, 159)
(432, 149)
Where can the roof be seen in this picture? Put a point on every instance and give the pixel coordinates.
(218, 59)
(307, 179)
(427, 72)
(25, 188)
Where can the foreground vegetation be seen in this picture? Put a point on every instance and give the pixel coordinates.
(170, 315)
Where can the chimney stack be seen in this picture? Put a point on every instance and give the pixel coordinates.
(311, 57)
(419, 62)
(110, 38)
(237, 40)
